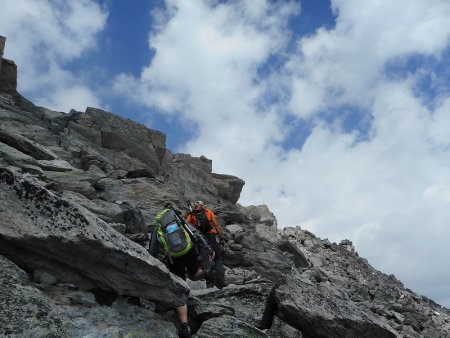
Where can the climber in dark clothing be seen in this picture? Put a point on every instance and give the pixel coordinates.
(179, 242)
(205, 221)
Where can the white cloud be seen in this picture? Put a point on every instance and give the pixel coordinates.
(344, 64)
(388, 191)
(42, 36)
(75, 97)
(205, 55)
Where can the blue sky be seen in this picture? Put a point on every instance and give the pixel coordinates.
(335, 113)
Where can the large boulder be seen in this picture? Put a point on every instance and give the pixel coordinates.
(38, 229)
(26, 146)
(118, 134)
(13, 157)
(228, 187)
(197, 181)
(280, 329)
(248, 301)
(146, 194)
(29, 309)
(76, 180)
(228, 326)
(2, 47)
(249, 249)
(24, 310)
(8, 76)
(263, 221)
(318, 312)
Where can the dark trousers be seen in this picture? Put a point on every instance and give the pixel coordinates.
(218, 260)
(187, 263)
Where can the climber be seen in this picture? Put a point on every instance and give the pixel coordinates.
(179, 242)
(205, 221)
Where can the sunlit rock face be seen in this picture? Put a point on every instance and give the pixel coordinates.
(78, 197)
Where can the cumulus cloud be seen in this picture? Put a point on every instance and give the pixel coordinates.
(385, 187)
(42, 37)
(343, 65)
(389, 191)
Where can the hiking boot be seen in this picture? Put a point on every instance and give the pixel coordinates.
(219, 280)
(209, 278)
(184, 331)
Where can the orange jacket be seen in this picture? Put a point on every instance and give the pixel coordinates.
(215, 226)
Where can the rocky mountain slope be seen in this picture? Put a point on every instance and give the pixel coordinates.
(78, 196)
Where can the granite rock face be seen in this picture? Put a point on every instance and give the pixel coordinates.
(39, 229)
(8, 76)
(78, 196)
(35, 309)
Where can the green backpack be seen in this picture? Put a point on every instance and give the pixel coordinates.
(174, 238)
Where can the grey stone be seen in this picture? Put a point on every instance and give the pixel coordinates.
(107, 211)
(55, 165)
(146, 194)
(8, 76)
(75, 180)
(24, 310)
(228, 326)
(203, 310)
(195, 178)
(44, 277)
(56, 311)
(235, 247)
(119, 227)
(26, 146)
(249, 301)
(240, 276)
(122, 319)
(280, 329)
(228, 187)
(233, 229)
(263, 221)
(317, 313)
(2, 47)
(15, 157)
(300, 260)
(39, 229)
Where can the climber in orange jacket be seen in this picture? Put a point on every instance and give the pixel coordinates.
(205, 221)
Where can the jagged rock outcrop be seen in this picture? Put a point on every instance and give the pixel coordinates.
(121, 137)
(40, 230)
(2, 48)
(228, 326)
(41, 310)
(75, 188)
(248, 302)
(8, 71)
(26, 146)
(319, 312)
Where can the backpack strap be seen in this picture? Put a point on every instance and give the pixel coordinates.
(203, 222)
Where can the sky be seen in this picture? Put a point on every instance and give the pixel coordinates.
(335, 113)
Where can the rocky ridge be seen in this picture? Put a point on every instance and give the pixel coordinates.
(79, 193)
